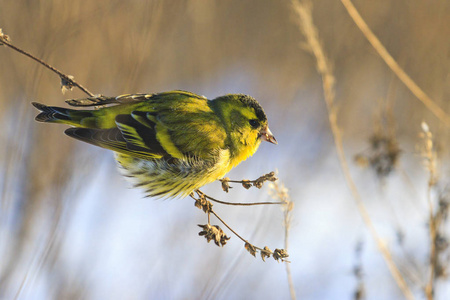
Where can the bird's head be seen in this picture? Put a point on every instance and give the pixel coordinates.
(245, 121)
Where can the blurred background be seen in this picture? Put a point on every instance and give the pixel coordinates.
(72, 228)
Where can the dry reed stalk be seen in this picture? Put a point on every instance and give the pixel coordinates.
(393, 65)
(280, 193)
(306, 25)
(429, 155)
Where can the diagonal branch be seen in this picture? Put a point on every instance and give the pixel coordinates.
(390, 61)
(66, 80)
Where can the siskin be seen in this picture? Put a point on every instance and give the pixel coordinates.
(169, 143)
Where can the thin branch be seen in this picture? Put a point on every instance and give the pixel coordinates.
(241, 203)
(393, 65)
(66, 80)
(429, 288)
(248, 183)
(227, 226)
(309, 30)
(263, 250)
(215, 233)
(429, 156)
(288, 266)
(282, 195)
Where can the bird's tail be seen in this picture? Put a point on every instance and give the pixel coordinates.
(53, 114)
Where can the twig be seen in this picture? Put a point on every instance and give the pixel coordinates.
(241, 203)
(393, 65)
(429, 288)
(303, 11)
(231, 229)
(429, 156)
(67, 81)
(286, 247)
(281, 194)
(215, 233)
(264, 251)
(248, 183)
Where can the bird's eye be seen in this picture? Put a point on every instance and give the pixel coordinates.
(254, 123)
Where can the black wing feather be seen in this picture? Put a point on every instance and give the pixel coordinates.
(109, 139)
(143, 134)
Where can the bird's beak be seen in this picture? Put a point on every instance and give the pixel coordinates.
(266, 135)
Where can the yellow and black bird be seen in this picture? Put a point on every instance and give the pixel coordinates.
(169, 143)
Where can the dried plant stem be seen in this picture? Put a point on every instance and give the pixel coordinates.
(390, 61)
(211, 211)
(303, 10)
(288, 266)
(227, 226)
(241, 181)
(235, 233)
(432, 228)
(231, 229)
(429, 156)
(241, 203)
(63, 76)
(213, 232)
(282, 195)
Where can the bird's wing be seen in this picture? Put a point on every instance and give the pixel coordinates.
(171, 125)
(134, 135)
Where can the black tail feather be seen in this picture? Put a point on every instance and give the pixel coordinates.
(51, 113)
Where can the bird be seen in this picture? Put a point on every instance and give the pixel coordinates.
(170, 143)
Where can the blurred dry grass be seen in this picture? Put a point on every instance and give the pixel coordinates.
(211, 48)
